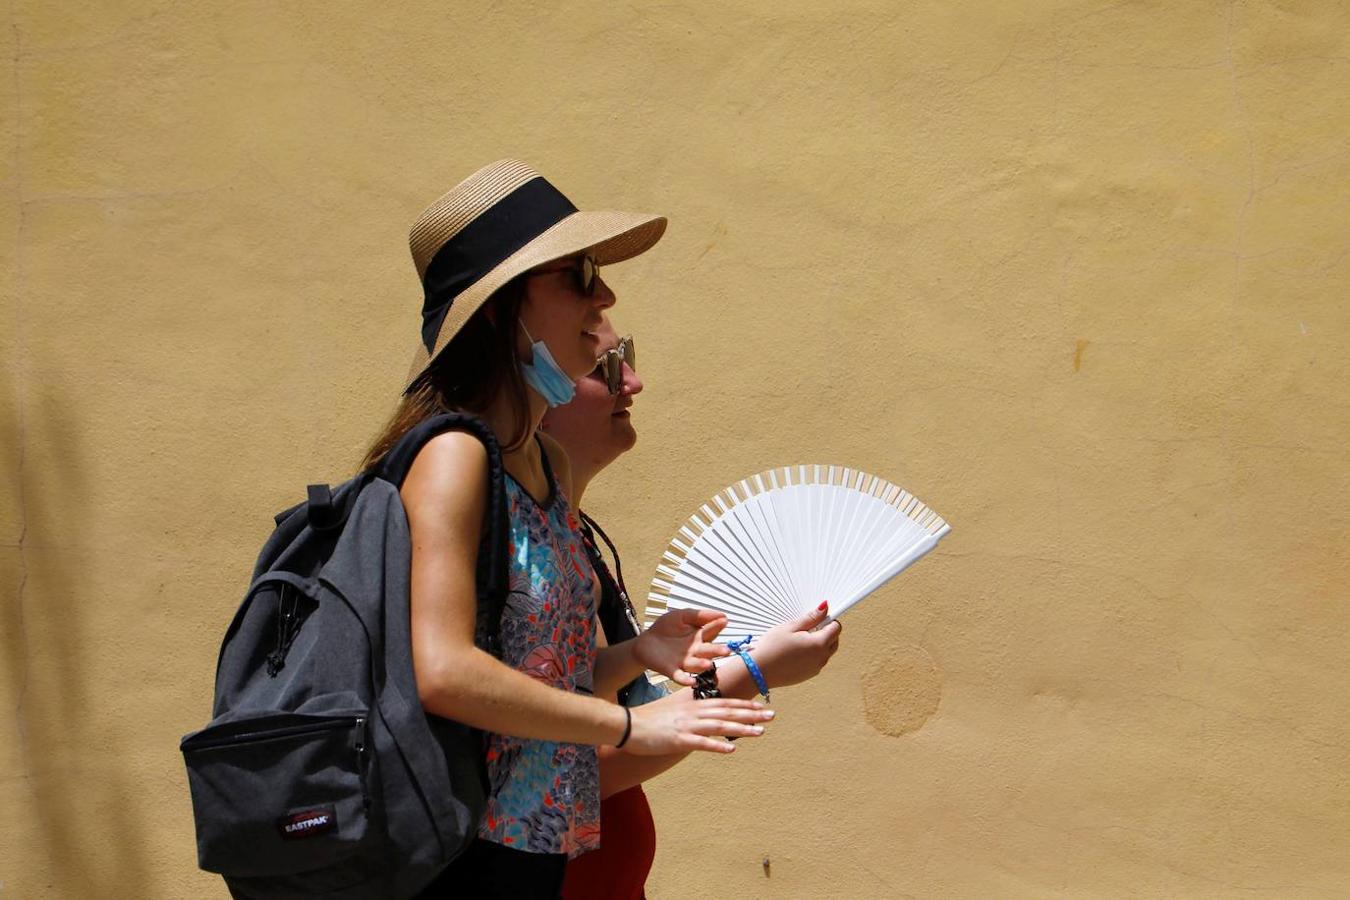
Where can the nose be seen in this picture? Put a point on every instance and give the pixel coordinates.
(603, 298)
(632, 384)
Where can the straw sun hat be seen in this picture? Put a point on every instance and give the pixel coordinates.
(501, 221)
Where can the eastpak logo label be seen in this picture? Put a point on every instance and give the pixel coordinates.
(307, 823)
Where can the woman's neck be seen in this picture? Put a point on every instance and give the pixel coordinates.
(501, 417)
(581, 477)
(525, 461)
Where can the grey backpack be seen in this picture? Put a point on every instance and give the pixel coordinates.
(319, 773)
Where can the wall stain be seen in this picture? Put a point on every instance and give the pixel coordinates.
(1078, 353)
(901, 693)
(718, 233)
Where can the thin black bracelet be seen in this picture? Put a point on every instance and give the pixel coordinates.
(627, 728)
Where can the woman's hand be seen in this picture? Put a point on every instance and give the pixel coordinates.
(678, 643)
(676, 724)
(791, 653)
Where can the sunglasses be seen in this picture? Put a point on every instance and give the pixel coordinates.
(587, 273)
(609, 365)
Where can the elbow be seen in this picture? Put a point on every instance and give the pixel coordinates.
(429, 690)
(440, 686)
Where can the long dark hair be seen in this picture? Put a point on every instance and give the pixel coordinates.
(476, 366)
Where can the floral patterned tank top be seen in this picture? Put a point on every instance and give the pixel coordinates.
(544, 796)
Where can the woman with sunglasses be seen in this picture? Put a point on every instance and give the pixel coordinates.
(595, 429)
(513, 303)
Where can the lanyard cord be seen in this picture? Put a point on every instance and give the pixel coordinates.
(589, 529)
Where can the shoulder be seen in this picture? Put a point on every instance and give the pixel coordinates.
(452, 453)
(449, 470)
(558, 461)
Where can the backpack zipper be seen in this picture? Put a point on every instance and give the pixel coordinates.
(248, 737)
(361, 760)
(288, 626)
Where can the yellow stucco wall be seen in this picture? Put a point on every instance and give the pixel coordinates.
(1076, 273)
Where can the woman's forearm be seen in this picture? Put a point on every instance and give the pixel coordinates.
(620, 771)
(615, 666)
(477, 689)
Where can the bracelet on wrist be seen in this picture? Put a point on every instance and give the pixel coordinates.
(627, 728)
(705, 688)
(705, 685)
(739, 648)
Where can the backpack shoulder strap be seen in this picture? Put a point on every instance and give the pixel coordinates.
(492, 570)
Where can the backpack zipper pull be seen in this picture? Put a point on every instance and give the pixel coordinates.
(361, 760)
(286, 631)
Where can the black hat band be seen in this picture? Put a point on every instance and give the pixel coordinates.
(483, 244)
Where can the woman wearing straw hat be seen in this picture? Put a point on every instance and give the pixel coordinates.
(513, 298)
(595, 429)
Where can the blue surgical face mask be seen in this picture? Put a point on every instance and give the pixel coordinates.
(545, 375)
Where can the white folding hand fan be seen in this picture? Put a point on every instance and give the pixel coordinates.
(780, 542)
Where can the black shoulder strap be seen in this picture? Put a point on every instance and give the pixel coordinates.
(492, 570)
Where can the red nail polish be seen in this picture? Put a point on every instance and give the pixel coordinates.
(823, 605)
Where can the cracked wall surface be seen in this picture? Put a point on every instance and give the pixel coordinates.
(1075, 273)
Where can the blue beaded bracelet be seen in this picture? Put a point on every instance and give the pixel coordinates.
(738, 647)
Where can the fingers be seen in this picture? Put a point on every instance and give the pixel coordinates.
(830, 633)
(682, 726)
(739, 714)
(701, 653)
(708, 744)
(695, 618)
(700, 657)
(827, 635)
(728, 718)
(811, 618)
(712, 629)
(734, 703)
(693, 665)
(725, 728)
